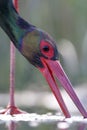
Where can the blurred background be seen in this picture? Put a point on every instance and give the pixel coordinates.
(66, 22)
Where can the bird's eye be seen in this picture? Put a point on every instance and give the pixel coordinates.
(47, 49)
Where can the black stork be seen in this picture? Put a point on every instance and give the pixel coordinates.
(39, 48)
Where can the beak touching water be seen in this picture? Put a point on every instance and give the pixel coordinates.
(54, 68)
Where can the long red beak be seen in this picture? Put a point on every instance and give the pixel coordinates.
(52, 68)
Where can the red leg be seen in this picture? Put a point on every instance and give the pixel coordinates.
(11, 108)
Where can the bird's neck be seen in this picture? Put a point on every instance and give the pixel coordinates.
(13, 24)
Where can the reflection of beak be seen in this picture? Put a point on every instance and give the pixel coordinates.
(52, 68)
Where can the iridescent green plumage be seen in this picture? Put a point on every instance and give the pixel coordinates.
(8, 18)
(26, 37)
(11, 22)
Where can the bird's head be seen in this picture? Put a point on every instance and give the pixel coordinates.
(40, 49)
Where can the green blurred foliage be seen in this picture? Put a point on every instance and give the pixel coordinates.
(63, 19)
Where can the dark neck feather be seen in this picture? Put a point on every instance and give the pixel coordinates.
(5, 4)
(12, 23)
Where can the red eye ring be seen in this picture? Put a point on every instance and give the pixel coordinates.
(47, 49)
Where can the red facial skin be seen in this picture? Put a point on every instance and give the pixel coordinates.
(53, 67)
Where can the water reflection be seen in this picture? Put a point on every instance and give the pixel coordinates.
(82, 126)
(41, 122)
(11, 125)
(63, 125)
